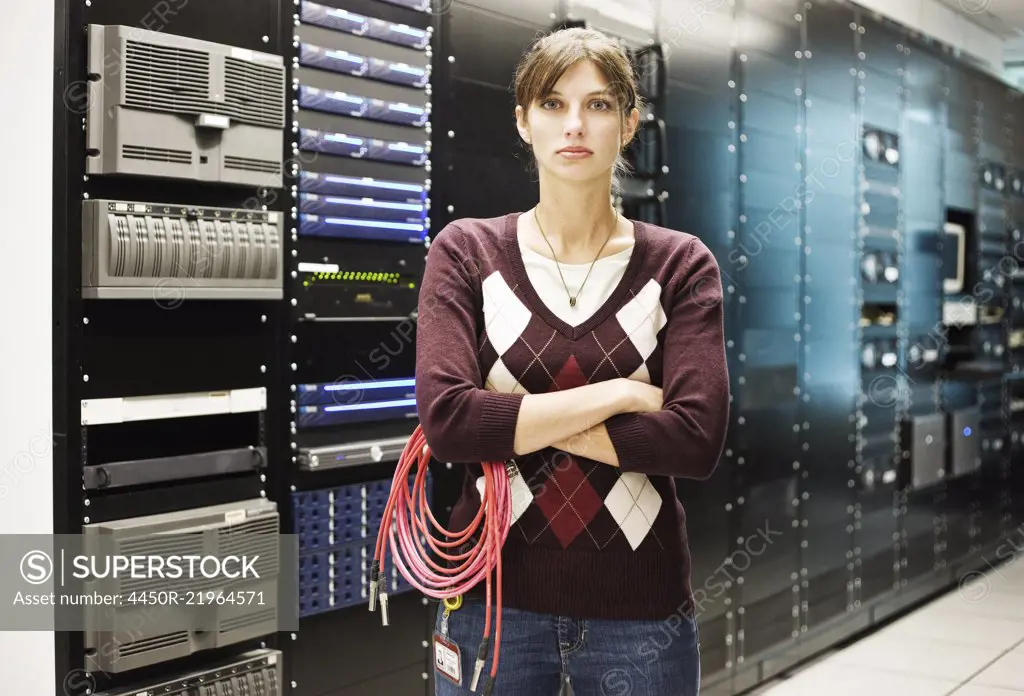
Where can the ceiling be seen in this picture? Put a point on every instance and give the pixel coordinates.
(1004, 18)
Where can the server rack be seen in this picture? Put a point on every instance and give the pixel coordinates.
(361, 144)
(168, 250)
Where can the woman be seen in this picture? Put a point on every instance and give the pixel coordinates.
(589, 349)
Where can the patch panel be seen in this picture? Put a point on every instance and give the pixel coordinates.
(337, 530)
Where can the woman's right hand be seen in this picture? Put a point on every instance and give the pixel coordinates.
(641, 397)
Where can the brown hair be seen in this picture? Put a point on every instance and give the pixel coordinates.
(549, 57)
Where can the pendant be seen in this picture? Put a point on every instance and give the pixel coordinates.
(572, 301)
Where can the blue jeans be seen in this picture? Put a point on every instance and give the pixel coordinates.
(543, 655)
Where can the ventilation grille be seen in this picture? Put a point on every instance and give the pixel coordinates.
(255, 619)
(177, 80)
(156, 154)
(254, 538)
(252, 165)
(146, 645)
(253, 92)
(164, 78)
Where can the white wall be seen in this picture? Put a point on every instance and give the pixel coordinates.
(26, 461)
(941, 22)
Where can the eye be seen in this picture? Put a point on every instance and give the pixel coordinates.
(549, 104)
(603, 104)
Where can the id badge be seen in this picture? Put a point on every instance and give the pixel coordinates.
(448, 659)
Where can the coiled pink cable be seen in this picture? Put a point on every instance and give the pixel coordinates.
(408, 522)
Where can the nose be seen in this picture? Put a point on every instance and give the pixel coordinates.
(573, 122)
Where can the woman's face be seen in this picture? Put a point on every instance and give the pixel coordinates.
(577, 130)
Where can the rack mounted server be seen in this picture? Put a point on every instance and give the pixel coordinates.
(143, 250)
(256, 673)
(169, 106)
(343, 403)
(137, 633)
(362, 127)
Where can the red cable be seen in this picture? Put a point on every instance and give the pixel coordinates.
(411, 514)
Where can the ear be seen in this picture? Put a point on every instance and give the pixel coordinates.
(521, 125)
(632, 122)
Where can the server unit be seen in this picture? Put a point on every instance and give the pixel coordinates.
(348, 402)
(140, 472)
(163, 616)
(964, 441)
(176, 252)
(924, 451)
(169, 106)
(258, 672)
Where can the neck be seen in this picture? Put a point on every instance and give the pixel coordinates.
(576, 216)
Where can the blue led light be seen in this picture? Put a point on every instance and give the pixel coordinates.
(407, 109)
(967, 432)
(341, 96)
(340, 138)
(375, 223)
(384, 384)
(405, 29)
(346, 15)
(367, 407)
(341, 55)
(378, 184)
(402, 67)
(405, 147)
(415, 207)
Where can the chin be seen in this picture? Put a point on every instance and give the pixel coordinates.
(579, 170)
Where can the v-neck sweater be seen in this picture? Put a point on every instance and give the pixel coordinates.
(590, 284)
(588, 540)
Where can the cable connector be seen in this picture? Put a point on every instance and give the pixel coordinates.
(384, 608)
(488, 686)
(481, 658)
(512, 469)
(374, 573)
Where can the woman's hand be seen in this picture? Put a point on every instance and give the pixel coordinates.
(641, 397)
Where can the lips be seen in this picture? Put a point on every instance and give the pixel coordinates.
(576, 151)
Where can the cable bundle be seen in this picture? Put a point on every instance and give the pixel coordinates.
(405, 526)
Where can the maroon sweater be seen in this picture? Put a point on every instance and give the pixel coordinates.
(588, 540)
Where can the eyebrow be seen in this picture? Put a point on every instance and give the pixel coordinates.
(600, 91)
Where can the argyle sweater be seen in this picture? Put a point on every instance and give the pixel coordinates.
(588, 539)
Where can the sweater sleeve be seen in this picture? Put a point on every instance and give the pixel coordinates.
(686, 438)
(462, 422)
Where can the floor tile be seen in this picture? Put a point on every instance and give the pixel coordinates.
(991, 577)
(993, 597)
(969, 642)
(967, 628)
(1005, 673)
(974, 690)
(918, 656)
(847, 680)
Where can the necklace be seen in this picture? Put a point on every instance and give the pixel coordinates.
(572, 298)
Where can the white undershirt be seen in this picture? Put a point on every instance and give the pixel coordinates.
(543, 275)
